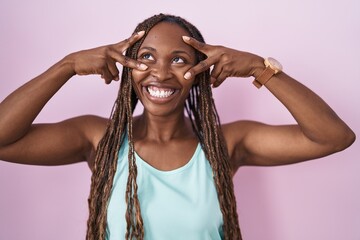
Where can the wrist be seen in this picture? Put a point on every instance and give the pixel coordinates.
(68, 65)
(272, 67)
(257, 66)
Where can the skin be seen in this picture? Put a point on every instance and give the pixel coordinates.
(167, 60)
(162, 130)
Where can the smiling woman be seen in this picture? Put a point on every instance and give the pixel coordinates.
(167, 173)
(168, 58)
(167, 140)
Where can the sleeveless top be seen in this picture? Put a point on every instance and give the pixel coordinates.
(175, 205)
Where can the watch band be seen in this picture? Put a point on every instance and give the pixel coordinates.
(264, 77)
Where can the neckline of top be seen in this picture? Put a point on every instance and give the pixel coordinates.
(173, 171)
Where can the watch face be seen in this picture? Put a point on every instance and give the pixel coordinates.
(274, 64)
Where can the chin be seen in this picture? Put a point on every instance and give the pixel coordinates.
(162, 110)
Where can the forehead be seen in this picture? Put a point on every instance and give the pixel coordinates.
(166, 35)
(167, 28)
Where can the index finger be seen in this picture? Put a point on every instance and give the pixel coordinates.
(125, 44)
(119, 48)
(198, 68)
(127, 61)
(202, 65)
(200, 46)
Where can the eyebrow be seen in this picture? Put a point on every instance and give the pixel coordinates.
(173, 52)
(148, 48)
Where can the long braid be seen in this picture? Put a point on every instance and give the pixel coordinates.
(205, 121)
(207, 128)
(105, 167)
(219, 160)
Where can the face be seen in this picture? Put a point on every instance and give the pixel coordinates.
(162, 88)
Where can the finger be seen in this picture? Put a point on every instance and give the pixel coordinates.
(200, 46)
(119, 48)
(125, 44)
(215, 73)
(106, 75)
(220, 79)
(198, 68)
(113, 70)
(127, 61)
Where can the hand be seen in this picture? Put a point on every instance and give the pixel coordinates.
(227, 62)
(102, 60)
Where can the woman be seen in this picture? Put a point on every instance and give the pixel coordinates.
(167, 173)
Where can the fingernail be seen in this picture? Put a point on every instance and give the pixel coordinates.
(187, 75)
(186, 38)
(142, 66)
(140, 33)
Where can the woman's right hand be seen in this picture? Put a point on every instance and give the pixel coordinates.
(102, 60)
(65, 142)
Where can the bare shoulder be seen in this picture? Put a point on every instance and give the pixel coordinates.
(92, 126)
(235, 134)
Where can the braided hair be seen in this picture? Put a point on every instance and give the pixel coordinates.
(201, 110)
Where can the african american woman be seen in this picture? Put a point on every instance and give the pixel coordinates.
(166, 173)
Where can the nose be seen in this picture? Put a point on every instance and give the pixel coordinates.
(161, 71)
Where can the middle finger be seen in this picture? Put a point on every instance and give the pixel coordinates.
(198, 68)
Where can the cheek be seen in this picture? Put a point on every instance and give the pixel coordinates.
(184, 82)
(179, 73)
(137, 75)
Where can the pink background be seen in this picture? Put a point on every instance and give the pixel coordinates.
(317, 42)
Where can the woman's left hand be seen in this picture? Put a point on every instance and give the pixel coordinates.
(227, 62)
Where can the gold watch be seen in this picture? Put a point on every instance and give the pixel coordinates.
(272, 67)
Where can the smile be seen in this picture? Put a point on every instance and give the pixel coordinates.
(159, 92)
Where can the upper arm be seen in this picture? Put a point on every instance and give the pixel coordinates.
(254, 143)
(70, 141)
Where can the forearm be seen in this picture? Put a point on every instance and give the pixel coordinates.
(20, 108)
(317, 120)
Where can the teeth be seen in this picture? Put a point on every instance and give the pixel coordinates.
(156, 92)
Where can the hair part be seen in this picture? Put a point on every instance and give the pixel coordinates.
(202, 112)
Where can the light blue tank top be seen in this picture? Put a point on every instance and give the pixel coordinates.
(175, 205)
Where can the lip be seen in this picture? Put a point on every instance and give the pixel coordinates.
(159, 100)
(159, 85)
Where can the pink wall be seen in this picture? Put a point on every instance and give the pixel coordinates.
(317, 42)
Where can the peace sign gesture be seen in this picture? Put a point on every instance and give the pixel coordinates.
(102, 60)
(227, 62)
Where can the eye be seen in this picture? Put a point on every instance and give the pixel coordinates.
(147, 56)
(178, 60)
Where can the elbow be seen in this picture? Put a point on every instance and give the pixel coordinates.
(344, 140)
(351, 138)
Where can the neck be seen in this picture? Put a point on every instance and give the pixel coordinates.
(162, 128)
